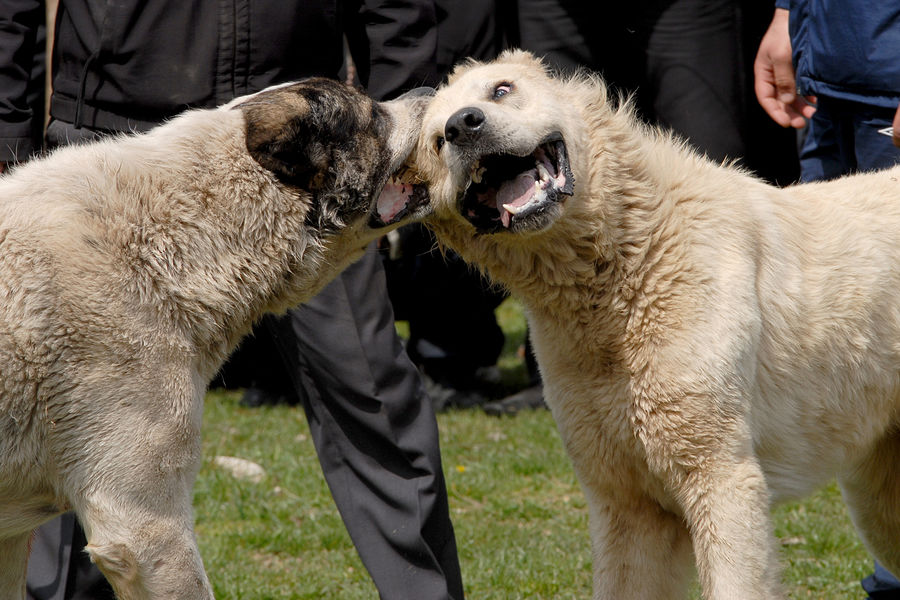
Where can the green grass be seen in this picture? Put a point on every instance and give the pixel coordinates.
(520, 517)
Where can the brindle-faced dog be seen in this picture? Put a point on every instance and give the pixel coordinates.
(129, 269)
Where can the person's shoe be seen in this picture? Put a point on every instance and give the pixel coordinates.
(881, 585)
(530, 398)
(444, 397)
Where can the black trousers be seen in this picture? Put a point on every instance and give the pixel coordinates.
(687, 62)
(374, 430)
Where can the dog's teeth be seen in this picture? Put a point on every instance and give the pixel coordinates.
(477, 173)
(543, 172)
(402, 176)
(511, 209)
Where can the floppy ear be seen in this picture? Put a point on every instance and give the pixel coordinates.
(280, 138)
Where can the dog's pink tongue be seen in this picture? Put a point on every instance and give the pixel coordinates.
(516, 192)
(392, 201)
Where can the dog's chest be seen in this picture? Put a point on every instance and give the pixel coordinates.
(596, 425)
(590, 394)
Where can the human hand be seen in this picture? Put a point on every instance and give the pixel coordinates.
(773, 72)
(896, 137)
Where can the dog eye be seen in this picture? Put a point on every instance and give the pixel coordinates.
(502, 90)
(439, 143)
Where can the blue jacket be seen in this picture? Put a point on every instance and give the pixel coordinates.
(847, 49)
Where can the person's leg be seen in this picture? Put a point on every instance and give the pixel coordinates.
(256, 367)
(827, 150)
(375, 433)
(58, 566)
(874, 150)
(449, 305)
(693, 81)
(683, 59)
(881, 585)
(48, 563)
(567, 34)
(452, 309)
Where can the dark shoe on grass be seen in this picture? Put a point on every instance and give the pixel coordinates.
(254, 397)
(529, 398)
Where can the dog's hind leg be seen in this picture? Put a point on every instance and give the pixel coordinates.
(872, 492)
(13, 560)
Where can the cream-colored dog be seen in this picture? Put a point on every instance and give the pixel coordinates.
(130, 268)
(709, 344)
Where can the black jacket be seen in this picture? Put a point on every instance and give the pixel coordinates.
(128, 64)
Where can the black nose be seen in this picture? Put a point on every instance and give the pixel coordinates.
(464, 125)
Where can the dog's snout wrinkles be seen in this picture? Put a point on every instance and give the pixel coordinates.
(464, 125)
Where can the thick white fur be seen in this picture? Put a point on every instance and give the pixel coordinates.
(129, 269)
(709, 344)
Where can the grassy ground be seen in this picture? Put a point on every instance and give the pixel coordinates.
(520, 517)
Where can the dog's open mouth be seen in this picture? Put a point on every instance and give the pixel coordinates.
(402, 196)
(509, 192)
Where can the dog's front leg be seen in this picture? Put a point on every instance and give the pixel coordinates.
(135, 503)
(147, 554)
(726, 506)
(640, 550)
(693, 426)
(13, 558)
(164, 563)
